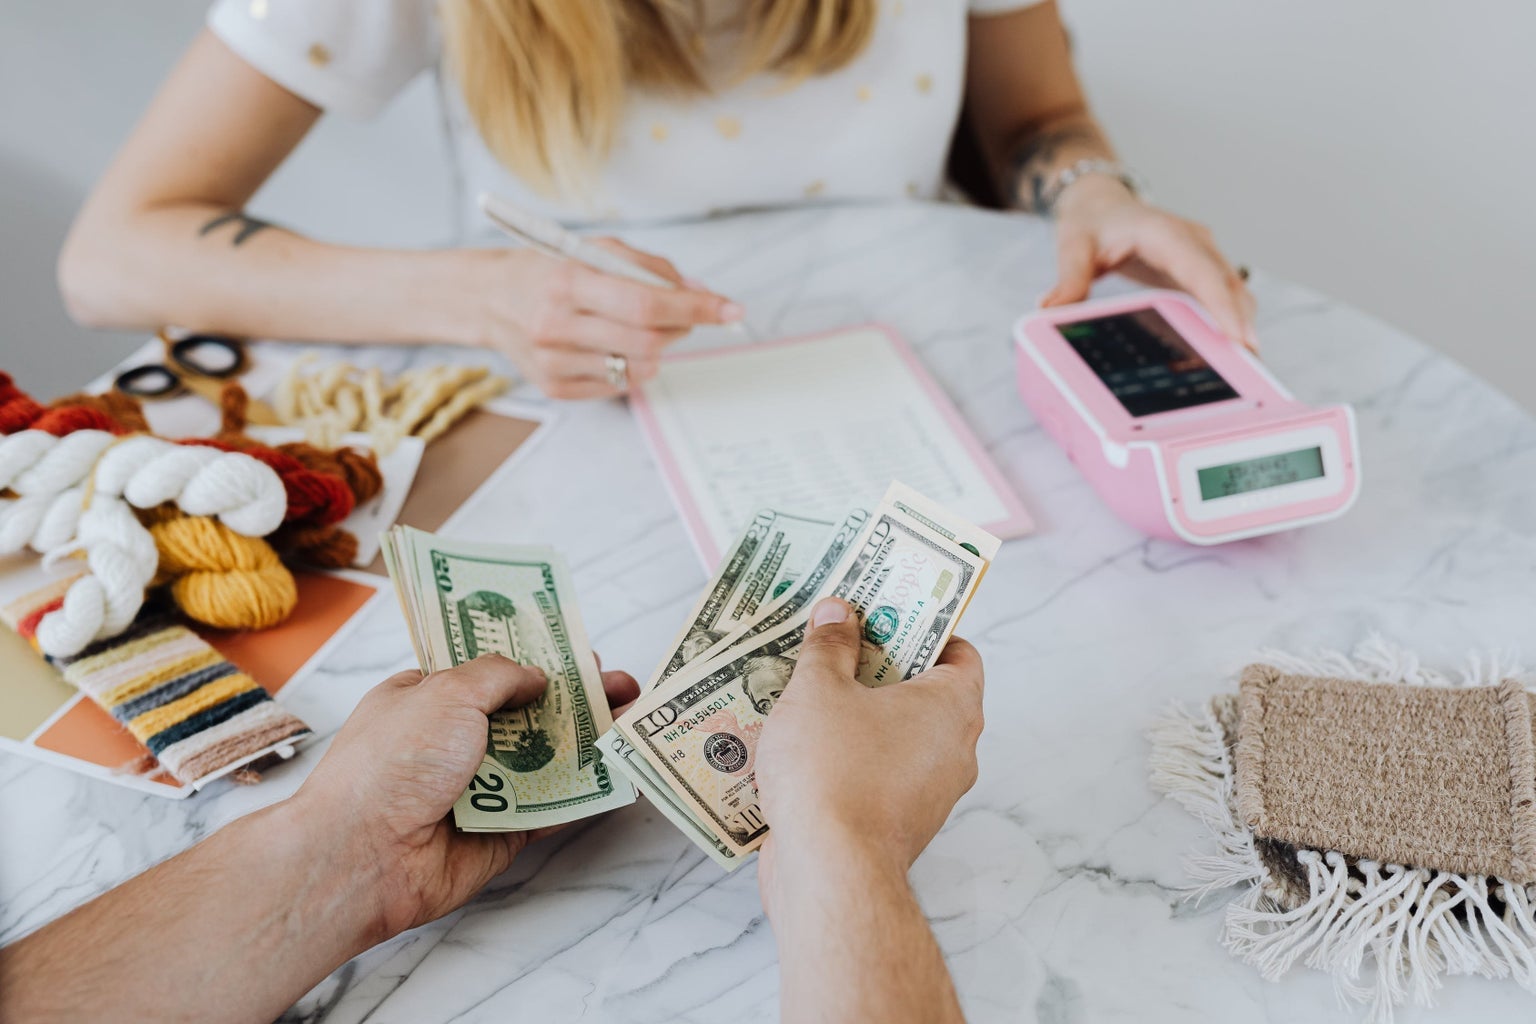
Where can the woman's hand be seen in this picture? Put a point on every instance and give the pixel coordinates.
(1101, 226)
(384, 789)
(560, 320)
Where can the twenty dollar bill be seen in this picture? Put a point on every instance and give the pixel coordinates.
(462, 599)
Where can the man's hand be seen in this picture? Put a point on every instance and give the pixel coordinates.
(878, 769)
(854, 783)
(394, 771)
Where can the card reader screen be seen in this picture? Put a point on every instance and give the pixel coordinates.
(1257, 474)
(1145, 363)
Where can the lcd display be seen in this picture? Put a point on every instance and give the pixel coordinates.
(1145, 363)
(1258, 474)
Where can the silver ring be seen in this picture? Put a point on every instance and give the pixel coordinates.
(617, 368)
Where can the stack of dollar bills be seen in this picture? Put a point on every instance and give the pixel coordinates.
(462, 600)
(909, 568)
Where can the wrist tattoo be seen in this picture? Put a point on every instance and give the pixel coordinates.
(248, 225)
(1034, 164)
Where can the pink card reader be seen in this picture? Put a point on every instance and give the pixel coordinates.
(1181, 431)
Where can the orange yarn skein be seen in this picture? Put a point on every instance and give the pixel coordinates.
(125, 410)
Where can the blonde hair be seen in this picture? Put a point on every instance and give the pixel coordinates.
(545, 80)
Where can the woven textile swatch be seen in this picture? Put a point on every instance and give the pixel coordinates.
(1425, 776)
(196, 713)
(1368, 816)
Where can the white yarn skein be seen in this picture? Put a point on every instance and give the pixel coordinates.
(124, 459)
(64, 463)
(51, 473)
(46, 471)
(20, 451)
(60, 521)
(122, 559)
(45, 521)
(19, 519)
(245, 494)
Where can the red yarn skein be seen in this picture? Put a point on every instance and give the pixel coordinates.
(18, 410)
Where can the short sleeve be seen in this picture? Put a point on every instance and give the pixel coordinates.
(347, 56)
(985, 7)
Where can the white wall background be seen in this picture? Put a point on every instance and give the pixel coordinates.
(1383, 151)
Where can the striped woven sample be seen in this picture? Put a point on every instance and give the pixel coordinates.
(195, 712)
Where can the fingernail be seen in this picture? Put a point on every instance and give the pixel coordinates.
(695, 284)
(1251, 340)
(1045, 299)
(730, 312)
(828, 612)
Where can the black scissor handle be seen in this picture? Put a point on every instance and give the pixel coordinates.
(208, 355)
(151, 381)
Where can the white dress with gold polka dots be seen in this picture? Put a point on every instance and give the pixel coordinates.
(878, 128)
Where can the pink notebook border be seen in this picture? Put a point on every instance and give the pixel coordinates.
(1016, 523)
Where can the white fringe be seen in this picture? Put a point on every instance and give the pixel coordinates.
(1388, 934)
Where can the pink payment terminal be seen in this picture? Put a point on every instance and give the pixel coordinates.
(1182, 432)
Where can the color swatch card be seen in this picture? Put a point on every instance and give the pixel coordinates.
(816, 423)
(44, 717)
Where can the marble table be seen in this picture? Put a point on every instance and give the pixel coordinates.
(1055, 887)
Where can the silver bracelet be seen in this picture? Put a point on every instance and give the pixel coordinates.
(1084, 168)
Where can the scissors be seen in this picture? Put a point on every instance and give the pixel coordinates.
(198, 363)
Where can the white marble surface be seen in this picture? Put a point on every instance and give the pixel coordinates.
(1055, 886)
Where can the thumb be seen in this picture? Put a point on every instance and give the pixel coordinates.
(832, 643)
(1074, 270)
(491, 682)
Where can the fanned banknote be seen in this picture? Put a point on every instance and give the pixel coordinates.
(462, 600)
(766, 560)
(909, 573)
(834, 549)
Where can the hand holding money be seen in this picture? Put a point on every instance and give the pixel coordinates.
(840, 763)
(691, 742)
(463, 600)
(403, 758)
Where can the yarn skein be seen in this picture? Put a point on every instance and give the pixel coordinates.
(48, 473)
(124, 410)
(220, 577)
(244, 494)
(122, 559)
(18, 410)
(323, 488)
(72, 490)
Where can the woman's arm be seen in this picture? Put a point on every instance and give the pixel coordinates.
(164, 239)
(1032, 123)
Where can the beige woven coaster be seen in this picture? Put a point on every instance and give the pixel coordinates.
(1428, 777)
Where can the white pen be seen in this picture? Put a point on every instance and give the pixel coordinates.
(555, 239)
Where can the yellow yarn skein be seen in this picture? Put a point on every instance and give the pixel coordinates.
(220, 577)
